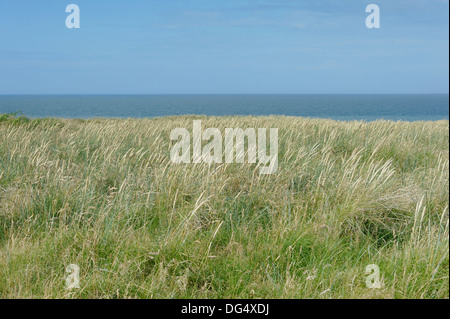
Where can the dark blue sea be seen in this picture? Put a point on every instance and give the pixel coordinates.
(338, 107)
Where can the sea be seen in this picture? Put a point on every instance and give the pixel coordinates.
(411, 107)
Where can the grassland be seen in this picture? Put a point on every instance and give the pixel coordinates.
(103, 194)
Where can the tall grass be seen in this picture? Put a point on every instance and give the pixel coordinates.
(103, 194)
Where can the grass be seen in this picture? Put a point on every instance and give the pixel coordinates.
(103, 194)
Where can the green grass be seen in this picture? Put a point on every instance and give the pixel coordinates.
(103, 194)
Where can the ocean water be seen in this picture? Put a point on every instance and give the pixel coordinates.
(338, 107)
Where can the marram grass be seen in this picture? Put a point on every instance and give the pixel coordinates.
(104, 195)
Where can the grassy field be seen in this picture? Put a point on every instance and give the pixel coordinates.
(104, 195)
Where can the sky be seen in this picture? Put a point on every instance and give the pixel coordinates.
(224, 47)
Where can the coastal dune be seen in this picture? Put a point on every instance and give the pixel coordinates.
(104, 195)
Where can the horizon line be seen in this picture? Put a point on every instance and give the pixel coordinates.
(146, 94)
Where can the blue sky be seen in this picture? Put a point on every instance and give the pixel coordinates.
(223, 47)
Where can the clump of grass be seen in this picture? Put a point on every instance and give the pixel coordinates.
(18, 118)
(104, 195)
(15, 118)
